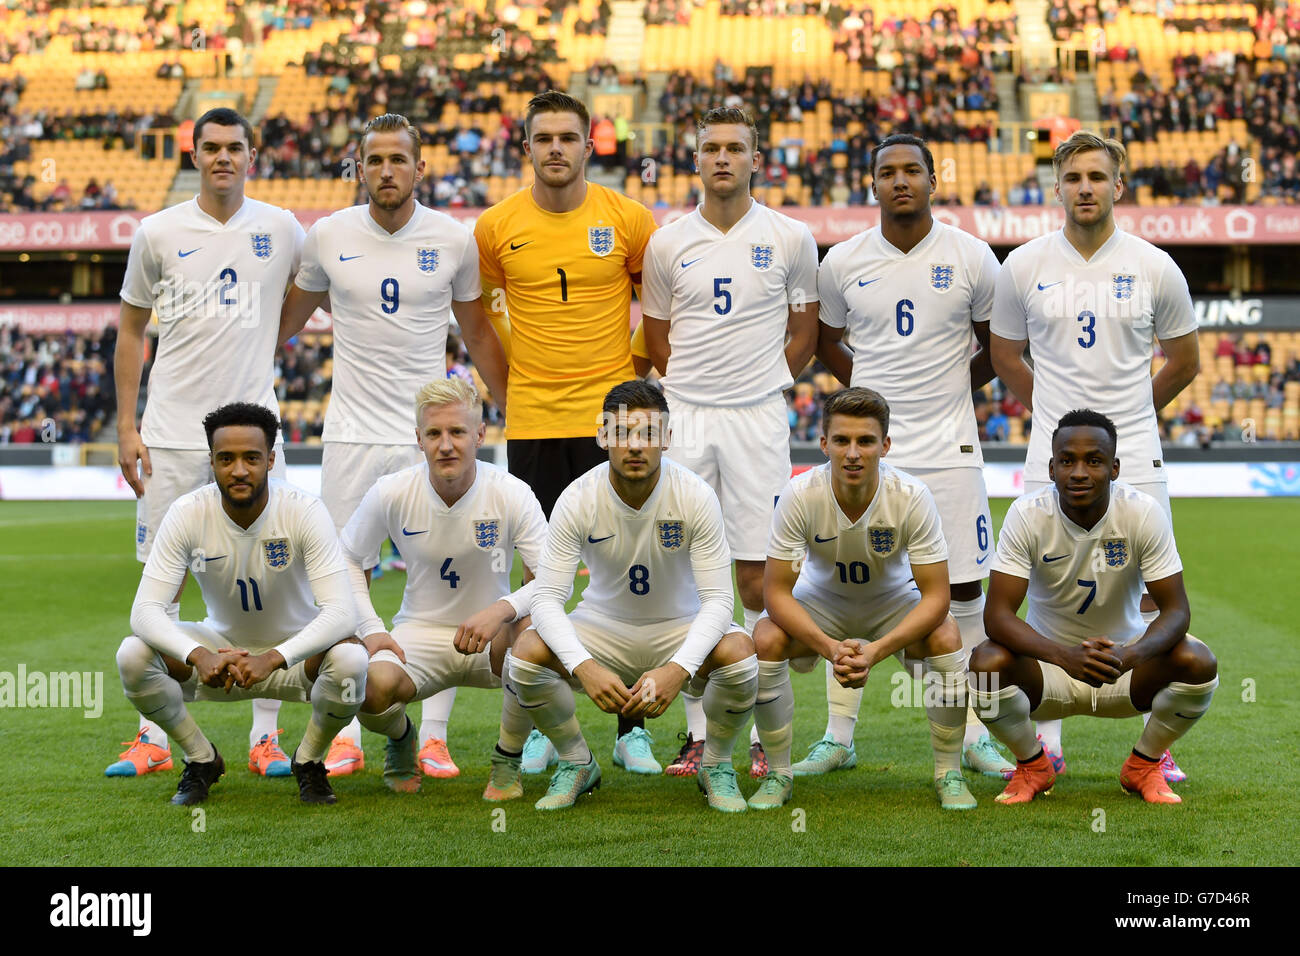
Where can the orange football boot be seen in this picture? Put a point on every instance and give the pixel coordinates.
(1029, 780)
(1145, 778)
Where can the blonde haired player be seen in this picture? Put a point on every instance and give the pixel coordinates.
(395, 272)
(1088, 300)
(459, 521)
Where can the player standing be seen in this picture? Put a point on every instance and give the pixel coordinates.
(915, 297)
(873, 582)
(559, 261)
(215, 269)
(730, 320)
(656, 614)
(1087, 301)
(460, 521)
(280, 611)
(392, 270)
(1082, 548)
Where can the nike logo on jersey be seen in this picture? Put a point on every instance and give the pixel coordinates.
(409, 533)
(190, 253)
(591, 540)
(343, 258)
(513, 247)
(1044, 288)
(868, 282)
(820, 540)
(1047, 560)
(981, 560)
(217, 558)
(687, 265)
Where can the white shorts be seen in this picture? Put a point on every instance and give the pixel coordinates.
(176, 472)
(1063, 696)
(291, 684)
(349, 469)
(434, 664)
(1158, 490)
(963, 503)
(629, 650)
(744, 455)
(843, 624)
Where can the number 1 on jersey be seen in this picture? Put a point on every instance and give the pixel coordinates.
(564, 286)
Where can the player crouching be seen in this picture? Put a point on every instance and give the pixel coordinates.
(459, 522)
(1081, 548)
(655, 615)
(874, 582)
(280, 611)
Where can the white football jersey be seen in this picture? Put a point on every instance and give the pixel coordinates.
(1085, 584)
(217, 289)
(391, 295)
(642, 562)
(859, 562)
(727, 297)
(256, 583)
(458, 559)
(908, 318)
(1090, 327)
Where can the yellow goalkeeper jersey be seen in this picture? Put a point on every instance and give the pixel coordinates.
(558, 288)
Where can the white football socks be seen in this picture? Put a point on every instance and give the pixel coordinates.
(549, 698)
(151, 690)
(728, 703)
(842, 705)
(266, 712)
(774, 714)
(436, 711)
(969, 616)
(945, 707)
(336, 697)
(695, 722)
(1174, 710)
(1005, 713)
(516, 723)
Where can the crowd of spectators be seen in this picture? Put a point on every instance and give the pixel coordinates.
(55, 387)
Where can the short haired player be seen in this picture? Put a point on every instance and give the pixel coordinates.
(730, 320)
(395, 272)
(655, 615)
(459, 521)
(215, 270)
(1088, 300)
(857, 571)
(914, 296)
(1081, 549)
(280, 613)
(560, 259)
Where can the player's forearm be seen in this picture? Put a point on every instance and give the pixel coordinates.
(489, 358)
(1015, 635)
(1160, 637)
(128, 365)
(150, 623)
(981, 369)
(835, 355)
(335, 620)
(915, 626)
(791, 616)
(1171, 380)
(556, 631)
(370, 621)
(1008, 358)
(710, 624)
(521, 601)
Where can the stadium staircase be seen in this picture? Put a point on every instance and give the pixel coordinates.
(265, 93)
(1035, 39)
(625, 35)
(185, 186)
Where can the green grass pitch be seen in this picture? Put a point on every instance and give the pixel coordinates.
(68, 574)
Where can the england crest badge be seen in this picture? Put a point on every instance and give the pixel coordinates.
(670, 534)
(941, 276)
(277, 554)
(1122, 286)
(487, 533)
(1115, 551)
(882, 539)
(762, 255)
(262, 245)
(600, 239)
(427, 259)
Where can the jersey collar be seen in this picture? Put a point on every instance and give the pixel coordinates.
(1073, 255)
(216, 224)
(718, 233)
(470, 493)
(1072, 529)
(380, 232)
(893, 252)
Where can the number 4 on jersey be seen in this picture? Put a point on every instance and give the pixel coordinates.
(448, 575)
